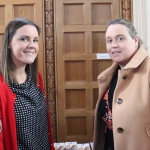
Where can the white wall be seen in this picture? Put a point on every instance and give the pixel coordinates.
(141, 21)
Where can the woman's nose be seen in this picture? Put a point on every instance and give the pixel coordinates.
(31, 44)
(114, 44)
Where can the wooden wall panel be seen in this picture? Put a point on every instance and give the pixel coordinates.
(77, 35)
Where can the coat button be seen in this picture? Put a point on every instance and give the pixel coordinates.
(120, 130)
(124, 76)
(119, 100)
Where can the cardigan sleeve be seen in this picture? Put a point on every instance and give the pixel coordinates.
(1, 127)
(1, 134)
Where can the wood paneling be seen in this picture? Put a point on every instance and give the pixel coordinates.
(80, 28)
(51, 72)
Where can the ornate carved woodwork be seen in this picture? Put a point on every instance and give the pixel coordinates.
(126, 9)
(50, 62)
(126, 12)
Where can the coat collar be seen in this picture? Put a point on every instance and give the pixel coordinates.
(108, 72)
(136, 60)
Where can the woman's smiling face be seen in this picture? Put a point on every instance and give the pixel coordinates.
(24, 45)
(119, 43)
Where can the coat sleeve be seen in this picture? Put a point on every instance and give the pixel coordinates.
(1, 128)
(40, 82)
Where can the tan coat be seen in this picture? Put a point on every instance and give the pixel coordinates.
(133, 113)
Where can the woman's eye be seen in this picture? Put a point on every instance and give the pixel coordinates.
(120, 38)
(109, 40)
(24, 39)
(35, 41)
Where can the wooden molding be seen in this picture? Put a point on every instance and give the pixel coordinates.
(126, 12)
(126, 9)
(50, 62)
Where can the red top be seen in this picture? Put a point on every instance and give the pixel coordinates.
(8, 136)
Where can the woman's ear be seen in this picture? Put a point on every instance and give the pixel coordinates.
(136, 39)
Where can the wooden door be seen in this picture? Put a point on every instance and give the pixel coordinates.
(30, 9)
(80, 27)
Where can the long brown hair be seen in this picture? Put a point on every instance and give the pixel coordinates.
(7, 64)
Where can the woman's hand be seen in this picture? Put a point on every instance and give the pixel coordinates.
(0, 126)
